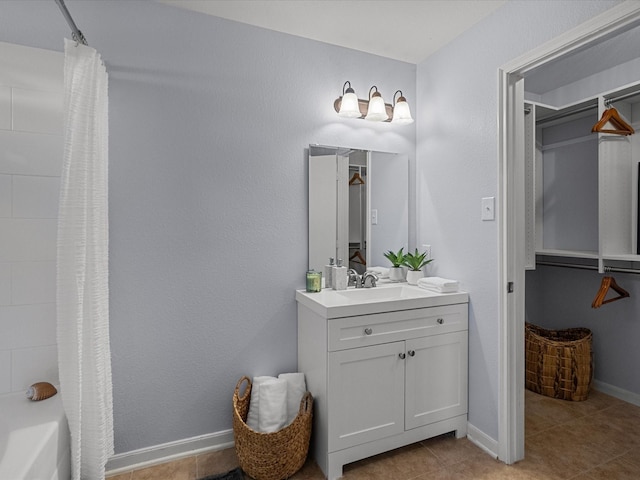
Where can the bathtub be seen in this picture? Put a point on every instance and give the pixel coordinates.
(34, 439)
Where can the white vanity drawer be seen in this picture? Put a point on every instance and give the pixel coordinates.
(364, 330)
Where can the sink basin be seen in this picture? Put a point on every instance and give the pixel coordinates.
(386, 293)
(386, 297)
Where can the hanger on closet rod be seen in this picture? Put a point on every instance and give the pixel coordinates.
(358, 258)
(606, 284)
(356, 179)
(611, 116)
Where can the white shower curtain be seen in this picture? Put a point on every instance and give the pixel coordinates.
(84, 356)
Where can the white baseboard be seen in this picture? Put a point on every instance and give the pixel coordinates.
(166, 452)
(482, 440)
(617, 392)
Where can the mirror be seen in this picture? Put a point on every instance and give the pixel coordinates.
(358, 206)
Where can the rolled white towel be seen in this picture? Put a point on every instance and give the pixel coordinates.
(439, 284)
(253, 414)
(272, 414)
(382, 272)
(296, 387)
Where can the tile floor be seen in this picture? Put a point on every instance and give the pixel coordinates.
(595, 439)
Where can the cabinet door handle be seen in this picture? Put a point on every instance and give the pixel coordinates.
(402, 356)
(440, 321)
(368, 331)
(411, 353)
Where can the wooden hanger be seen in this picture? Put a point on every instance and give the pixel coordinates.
(607, 283)
(612, 116)
(358, 258)
(356, 179)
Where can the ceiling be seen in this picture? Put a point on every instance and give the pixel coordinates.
(409, 30)
(404, 30)
(607, 52)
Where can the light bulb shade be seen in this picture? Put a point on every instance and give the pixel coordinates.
(349, 106)
(377, 110)
(401, 113)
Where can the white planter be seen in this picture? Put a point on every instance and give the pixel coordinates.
(397, 274)
(413, 276)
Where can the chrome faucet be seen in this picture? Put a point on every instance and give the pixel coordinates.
(353, 278)
(369, 279)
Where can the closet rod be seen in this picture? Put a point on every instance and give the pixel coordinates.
(558, 116)
(587, 267)
(76, 34)
(610, 100)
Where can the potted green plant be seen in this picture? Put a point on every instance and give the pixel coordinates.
(396, 272)
(415, 261)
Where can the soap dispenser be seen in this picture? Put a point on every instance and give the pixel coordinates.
(340, 276)
(328, 273)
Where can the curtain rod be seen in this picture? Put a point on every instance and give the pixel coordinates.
(76, 34)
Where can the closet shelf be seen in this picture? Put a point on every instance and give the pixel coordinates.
(568, 253)
(622, 257)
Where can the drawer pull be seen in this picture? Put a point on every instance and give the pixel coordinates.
(368, 331)
(402, 356)
(440, 321)
(411, 353)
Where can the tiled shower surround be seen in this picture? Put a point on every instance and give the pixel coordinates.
(31, 148)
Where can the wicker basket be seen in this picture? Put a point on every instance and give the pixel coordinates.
(271, 456)
(559, 363)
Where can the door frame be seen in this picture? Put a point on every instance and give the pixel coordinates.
(511, 229)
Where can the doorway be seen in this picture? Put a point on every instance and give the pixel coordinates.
(513, 223)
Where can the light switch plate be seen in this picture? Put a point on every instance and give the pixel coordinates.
(374, 216)
(488, 205)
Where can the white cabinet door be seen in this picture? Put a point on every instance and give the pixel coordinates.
(436, 378)
(366, 394)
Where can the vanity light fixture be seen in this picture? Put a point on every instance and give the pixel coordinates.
(377, 111)
(349, 107)
(374, 109)
(401, 112)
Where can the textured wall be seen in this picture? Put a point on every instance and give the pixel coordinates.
(457, 163)
(209, 122)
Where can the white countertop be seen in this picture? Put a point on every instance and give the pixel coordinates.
(386, 297)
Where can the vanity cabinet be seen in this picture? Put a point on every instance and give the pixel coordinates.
(384, 379)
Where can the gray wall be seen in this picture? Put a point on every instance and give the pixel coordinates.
(209, 122)
(457, 166)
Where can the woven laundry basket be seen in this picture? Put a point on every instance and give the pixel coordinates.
(558, 363)
(271, 456)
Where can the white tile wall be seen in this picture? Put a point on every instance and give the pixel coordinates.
(35, 111)
(33, 283)
(31, 149)
(5, 108)
(35, 197)
(5, 371)
(5, 283)
(25, 153)
(31, 365)
(25, 239)
(28, 326)
(5, 196)
(31, 68)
